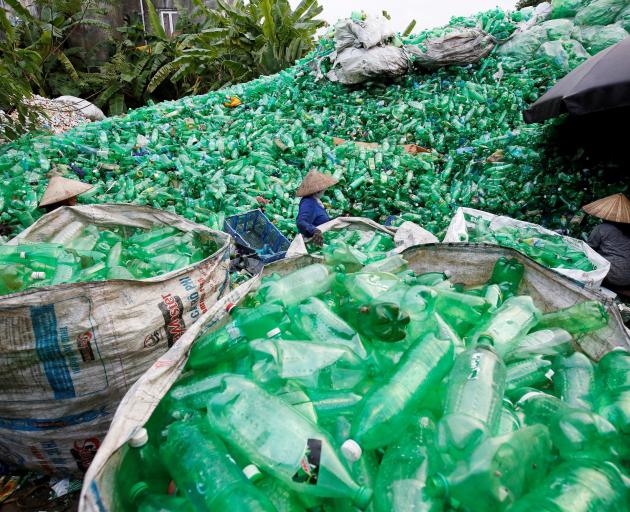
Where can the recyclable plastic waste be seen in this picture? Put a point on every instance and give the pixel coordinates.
(205, 161)
(288, 405)
(94, 253)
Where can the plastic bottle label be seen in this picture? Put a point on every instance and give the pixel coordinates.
(308, 471)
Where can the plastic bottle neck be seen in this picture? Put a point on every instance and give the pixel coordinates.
(437, 486)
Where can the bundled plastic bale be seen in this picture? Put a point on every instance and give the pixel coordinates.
(362, 33)
(457, 48)
(599, 12)
(557, 29)
(565, 8)
(523, 45)
(564, 54)
(623, 19)
(468, 265)
(356, 65)
(596, 39)
(70, 352)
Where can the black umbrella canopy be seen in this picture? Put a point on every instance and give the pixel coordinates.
(600, 83)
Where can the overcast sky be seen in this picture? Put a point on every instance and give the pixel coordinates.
(427, 13)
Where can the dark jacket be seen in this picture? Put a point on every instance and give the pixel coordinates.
(613, 243)
(310, 215)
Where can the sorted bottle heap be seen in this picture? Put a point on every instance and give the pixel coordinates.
(95, 253)
(389, 391)
(204, 161)
(552, 251)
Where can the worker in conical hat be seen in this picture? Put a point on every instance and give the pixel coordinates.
(62, 192)
(611, 238)
(312, 212)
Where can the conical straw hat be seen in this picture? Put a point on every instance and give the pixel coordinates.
(60, 188)
(615, 208)
(315, 182)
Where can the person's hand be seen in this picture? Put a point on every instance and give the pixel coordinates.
(318, 238)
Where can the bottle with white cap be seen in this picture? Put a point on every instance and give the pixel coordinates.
(141, 463)
(224, 343)
(205, 473)
(295, 450)
(282, 498)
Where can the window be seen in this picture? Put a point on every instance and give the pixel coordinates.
(168, 19)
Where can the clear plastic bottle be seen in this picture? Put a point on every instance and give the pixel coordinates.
(204, 471)
(473, 401)
(387, 409)
(573, 379)
(281, 441)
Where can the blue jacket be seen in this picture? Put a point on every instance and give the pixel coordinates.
(311, 215)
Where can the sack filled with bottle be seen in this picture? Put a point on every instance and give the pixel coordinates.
(320, 386)
(566, 255)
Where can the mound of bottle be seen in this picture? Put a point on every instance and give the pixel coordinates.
(203, 160)
(95, 253)
(552, 251)
(353, 246)
(386, 390)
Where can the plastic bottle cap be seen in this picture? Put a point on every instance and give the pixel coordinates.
(230, 307)
(351, 450)
(138, 490)
(23, 255)
(140, 438)
(252, 472)
(274, 332)
(38, 275)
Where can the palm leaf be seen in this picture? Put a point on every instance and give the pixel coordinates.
(107, 94)
(154, 21)
(269, 26)
(67, 65)
(162, 74)
(20, 10)
(7, 28)
(235, 13)
(117, 105)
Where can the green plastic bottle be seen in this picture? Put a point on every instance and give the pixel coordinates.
(204, 471)
(146, 501)
(308, 363)
(578, 319)
(573, 379)
(531, 372)
(515, 317)
(498, 472)
(385, 411)
(280, 496)
(281, 441)
(612, 380)
(406, 465)
(247, 324)
(314, 320)
(473, 401)
(297, 286)
(141, 463)
(508, 274)
(547, 342)
(583, 485)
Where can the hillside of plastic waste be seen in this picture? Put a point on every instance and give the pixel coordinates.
(389, 391)
(204, 160)
(93, 253)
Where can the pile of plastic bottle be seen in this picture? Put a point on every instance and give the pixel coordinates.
(365, 244)
(388, 390)
(203, 160)
(552, 251)
(95, 253)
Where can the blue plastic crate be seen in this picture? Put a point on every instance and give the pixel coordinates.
(254, 231)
